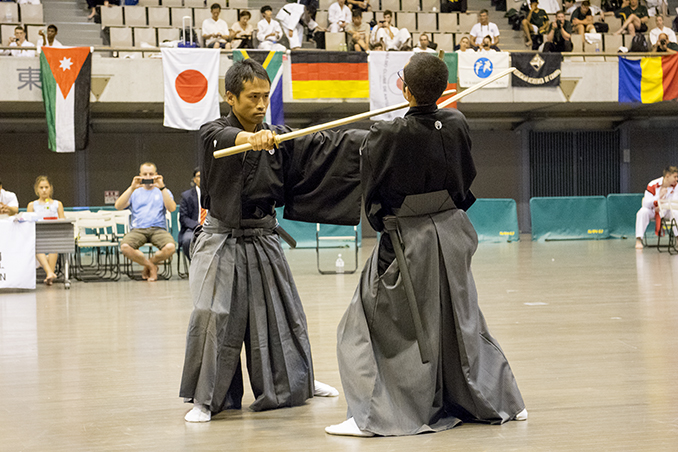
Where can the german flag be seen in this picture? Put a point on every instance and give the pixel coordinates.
(325, 74)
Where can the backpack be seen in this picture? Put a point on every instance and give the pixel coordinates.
(639, 43)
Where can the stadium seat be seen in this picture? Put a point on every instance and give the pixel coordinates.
(427, 22)
(200, 14)
(325, 4)
(9, 13)
(121, 36)
(177, 15)
(445, 41)
(448, 22)
(238, 4)
(7, 30)
(159, 17)
(409, 5)
(334, 40)
(147, 35)
(321, 18)
(430, 5)
(135, 16)
(614, 24)
(612, 43)
(406, 20)
(467, 21)
(195, 3)
(32, 32)
(167, 34)
(393, 5)
(149, 2)
(111, 17)
(172, 3)
(31, 14)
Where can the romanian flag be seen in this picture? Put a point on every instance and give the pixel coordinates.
(648, 80)
(273, 63)
(66, 74)
(323, 74)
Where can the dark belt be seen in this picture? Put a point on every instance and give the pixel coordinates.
(391, 226)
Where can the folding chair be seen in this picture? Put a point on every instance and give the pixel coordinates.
(96, 234)
(333, 239)
(668, 227)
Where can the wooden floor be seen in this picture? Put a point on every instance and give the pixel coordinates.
(589, 327)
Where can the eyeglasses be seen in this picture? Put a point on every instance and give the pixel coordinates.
(401, 76)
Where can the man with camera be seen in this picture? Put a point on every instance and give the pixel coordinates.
(663, 45)
(148, 199)
(559, 38)
(19, 40)
(388, 37)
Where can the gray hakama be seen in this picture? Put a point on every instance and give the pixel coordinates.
(388, 388)
(243, 291)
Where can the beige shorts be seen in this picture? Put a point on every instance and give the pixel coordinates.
(159, 237)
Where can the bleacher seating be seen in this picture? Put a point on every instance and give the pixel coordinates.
(9, 13)
(427, 22)
(111, 17)
(146, 35)
(121, 37)
(135, 16)
(158, 17)
(31, 14)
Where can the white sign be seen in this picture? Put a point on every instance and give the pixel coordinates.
(110, 196)
(17, 255)
(386, 88)
(475, 67)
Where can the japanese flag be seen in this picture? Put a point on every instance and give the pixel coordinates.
(191, 87)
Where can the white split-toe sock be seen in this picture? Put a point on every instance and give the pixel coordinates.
(199, 413)
(347, 428)
(323, 390)
(522, 416)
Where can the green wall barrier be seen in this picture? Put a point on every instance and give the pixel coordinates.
(495, 220)
(621, 214)
(304, 233)
(569, 217)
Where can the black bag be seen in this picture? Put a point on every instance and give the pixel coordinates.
(639, 43)
(675, 24)
(601, 27)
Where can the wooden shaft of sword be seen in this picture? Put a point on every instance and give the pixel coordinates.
(328, 125)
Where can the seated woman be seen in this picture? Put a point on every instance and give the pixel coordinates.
(46, 208)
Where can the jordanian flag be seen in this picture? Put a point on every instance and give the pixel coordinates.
(66, 76)
(272, 62)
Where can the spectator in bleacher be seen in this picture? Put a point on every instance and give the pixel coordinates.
(464, 45)
(536, 23)
(94, 4)
(658, 7)
(389, 37)
(50, 40)
(484, 28)
(241, 31)
(635, 18)
(655, 32)
(569, 6)
(663, 188)
(339, 16)
(148, 198)
(19, 40)
(358, 32)
(269, 31)
(423, 44)
(215, 31)
(46, 208)
(9, 204)
(293, 17)
(559, 37)
(360, 5)
(487, 47)
(664, 45)
(582, 19)
(190, 213)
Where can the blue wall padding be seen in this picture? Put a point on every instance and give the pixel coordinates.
(569, 217)
(495, 220)
(621, 214)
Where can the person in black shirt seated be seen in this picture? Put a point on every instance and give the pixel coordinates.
(635, 17)
(559, 38)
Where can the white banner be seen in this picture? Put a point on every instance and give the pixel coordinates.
(385, 85)
(17, 255)
(191, 87)
(474, 67)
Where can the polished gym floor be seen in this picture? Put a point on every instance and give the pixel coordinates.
(589, 327)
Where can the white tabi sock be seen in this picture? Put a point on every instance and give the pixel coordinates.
(199, 413)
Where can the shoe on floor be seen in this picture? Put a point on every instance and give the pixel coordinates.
(347, 428)
(323, 390)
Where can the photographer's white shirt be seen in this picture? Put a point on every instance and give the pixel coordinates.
(479, 31)
(655, 32)
(21, 53)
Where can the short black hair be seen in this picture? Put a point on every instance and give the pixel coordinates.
(53, 27)
(483, 11)
(264, 9)
(196, 170)
(388, 12)
(215, 6)
(243, 71)
(670, 170)
(357, 13)
(19, 27)
(244, 13)
(426, 76)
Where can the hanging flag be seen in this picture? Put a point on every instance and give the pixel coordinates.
(273, 63)
(326, 74)
(386, 88)
(451, 60)
(66, 74)
(475, 67)
(536, 69)
(648, 80)
(191, 87)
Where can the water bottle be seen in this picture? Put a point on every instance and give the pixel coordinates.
(339, 264)
(597, 47)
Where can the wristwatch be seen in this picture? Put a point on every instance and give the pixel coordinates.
(164, 187)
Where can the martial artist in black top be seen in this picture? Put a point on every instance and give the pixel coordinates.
(416, 176)
(242, 287)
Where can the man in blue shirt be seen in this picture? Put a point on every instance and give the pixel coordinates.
(147, 198)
